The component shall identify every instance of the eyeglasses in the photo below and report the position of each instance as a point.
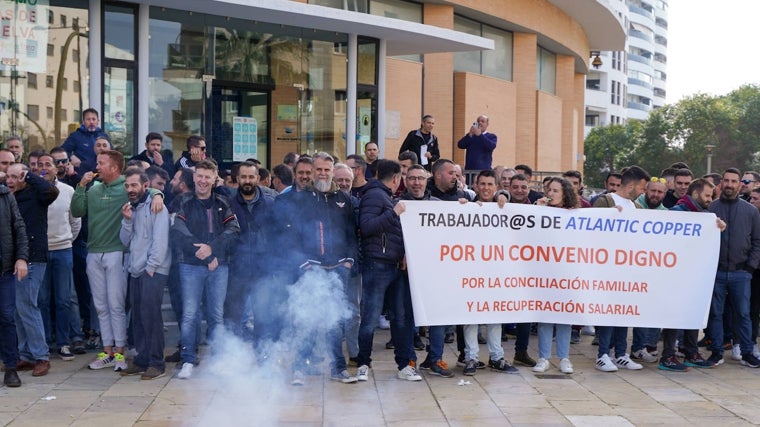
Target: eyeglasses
(61, 161)
(746, 181)
(415, 178)
(660, 180)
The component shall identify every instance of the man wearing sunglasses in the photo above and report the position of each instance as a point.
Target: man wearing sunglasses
(65, 170)
(196, 151)
(750, 180)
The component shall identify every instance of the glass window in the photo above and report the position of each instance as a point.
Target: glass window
(65, 84)
(33, 111)
(64, 114)
(396, 9)
(50, 49)
(494, 63)
(286, 78)
(546, 71)
(48, 81)
(118, 118)
(367, 62)
(49, 112)
(467, 61)
(119, 30)
(31, 79)
(353, 5)
(498, 62)
(64, 21)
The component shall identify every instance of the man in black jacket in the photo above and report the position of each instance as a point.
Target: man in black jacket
(423, 143)
(204, 233)
(153, 155)
(325, 234)
(33, 195)
(739, 257)
(14, 254)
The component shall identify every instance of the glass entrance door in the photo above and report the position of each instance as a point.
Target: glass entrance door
(239, 125)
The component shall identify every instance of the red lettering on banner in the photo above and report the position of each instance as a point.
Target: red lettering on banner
(457, 252)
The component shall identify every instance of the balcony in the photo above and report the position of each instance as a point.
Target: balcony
(640, 35)
(639, 58)
(637, 82)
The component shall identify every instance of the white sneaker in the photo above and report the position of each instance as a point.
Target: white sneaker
(298, 378)
(605, 364)
(644, 355)
(625, 361)
(588, 330)
(565, 366)
(541, 366)
(736, 352)
(409, 373)
(344, 377)
(383, 323)
(186, 371)
(362, 373)
(756, 351)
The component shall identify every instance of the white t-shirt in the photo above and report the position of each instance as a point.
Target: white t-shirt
(621, 201)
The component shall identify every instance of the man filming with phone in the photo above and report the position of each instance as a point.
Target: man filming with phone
(479, 144)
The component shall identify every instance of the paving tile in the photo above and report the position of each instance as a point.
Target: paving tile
(599, 421)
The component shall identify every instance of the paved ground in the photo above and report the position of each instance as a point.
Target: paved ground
(234, 392)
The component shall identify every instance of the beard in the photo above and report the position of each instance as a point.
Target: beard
(322, 185)
(247, 189)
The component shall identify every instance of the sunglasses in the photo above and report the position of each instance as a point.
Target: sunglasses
(660, 180)
(61, 161)
(746, 181)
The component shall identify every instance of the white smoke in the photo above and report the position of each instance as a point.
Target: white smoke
(259, 392)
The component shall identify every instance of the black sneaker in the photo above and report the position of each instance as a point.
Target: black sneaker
(78, 347)
(704, 342)
(470, 367)
(672, 364)
(173, 358)
(448, 338)
(64, 353)
(716, 358)
(389, 345)
(426, 364)
(440, 368)
(462, 363)
(750, 361)
(523, 358)
(697, 361)
(481, 340)
(502, 366)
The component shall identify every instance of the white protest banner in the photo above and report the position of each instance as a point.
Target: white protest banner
(472, 264)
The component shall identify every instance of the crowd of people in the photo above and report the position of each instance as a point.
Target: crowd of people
(89, 242)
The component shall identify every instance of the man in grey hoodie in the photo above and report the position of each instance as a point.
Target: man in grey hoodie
(147, 236)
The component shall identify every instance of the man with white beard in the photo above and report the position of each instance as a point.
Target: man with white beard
(325, 228)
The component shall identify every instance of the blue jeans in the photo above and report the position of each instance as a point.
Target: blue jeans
(610, 336)
(57, 281)
(196, 281)
(643, 337)
(402, 321)
(736, 285)
(377, 277)
(8, 348)
(562, 340)
(31, 334)
(351, 327)
(436, 334)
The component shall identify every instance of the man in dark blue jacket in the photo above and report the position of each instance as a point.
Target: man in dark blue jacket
(80, 145)
(249, 272)
(382, 258)
(479, 144)
(739, 257)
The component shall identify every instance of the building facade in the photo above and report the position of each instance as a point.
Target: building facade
(631, 82)
(260, 79)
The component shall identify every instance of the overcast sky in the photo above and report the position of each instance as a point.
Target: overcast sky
(712, 46)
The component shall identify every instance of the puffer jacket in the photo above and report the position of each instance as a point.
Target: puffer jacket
(382, 239)
(13, 242)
